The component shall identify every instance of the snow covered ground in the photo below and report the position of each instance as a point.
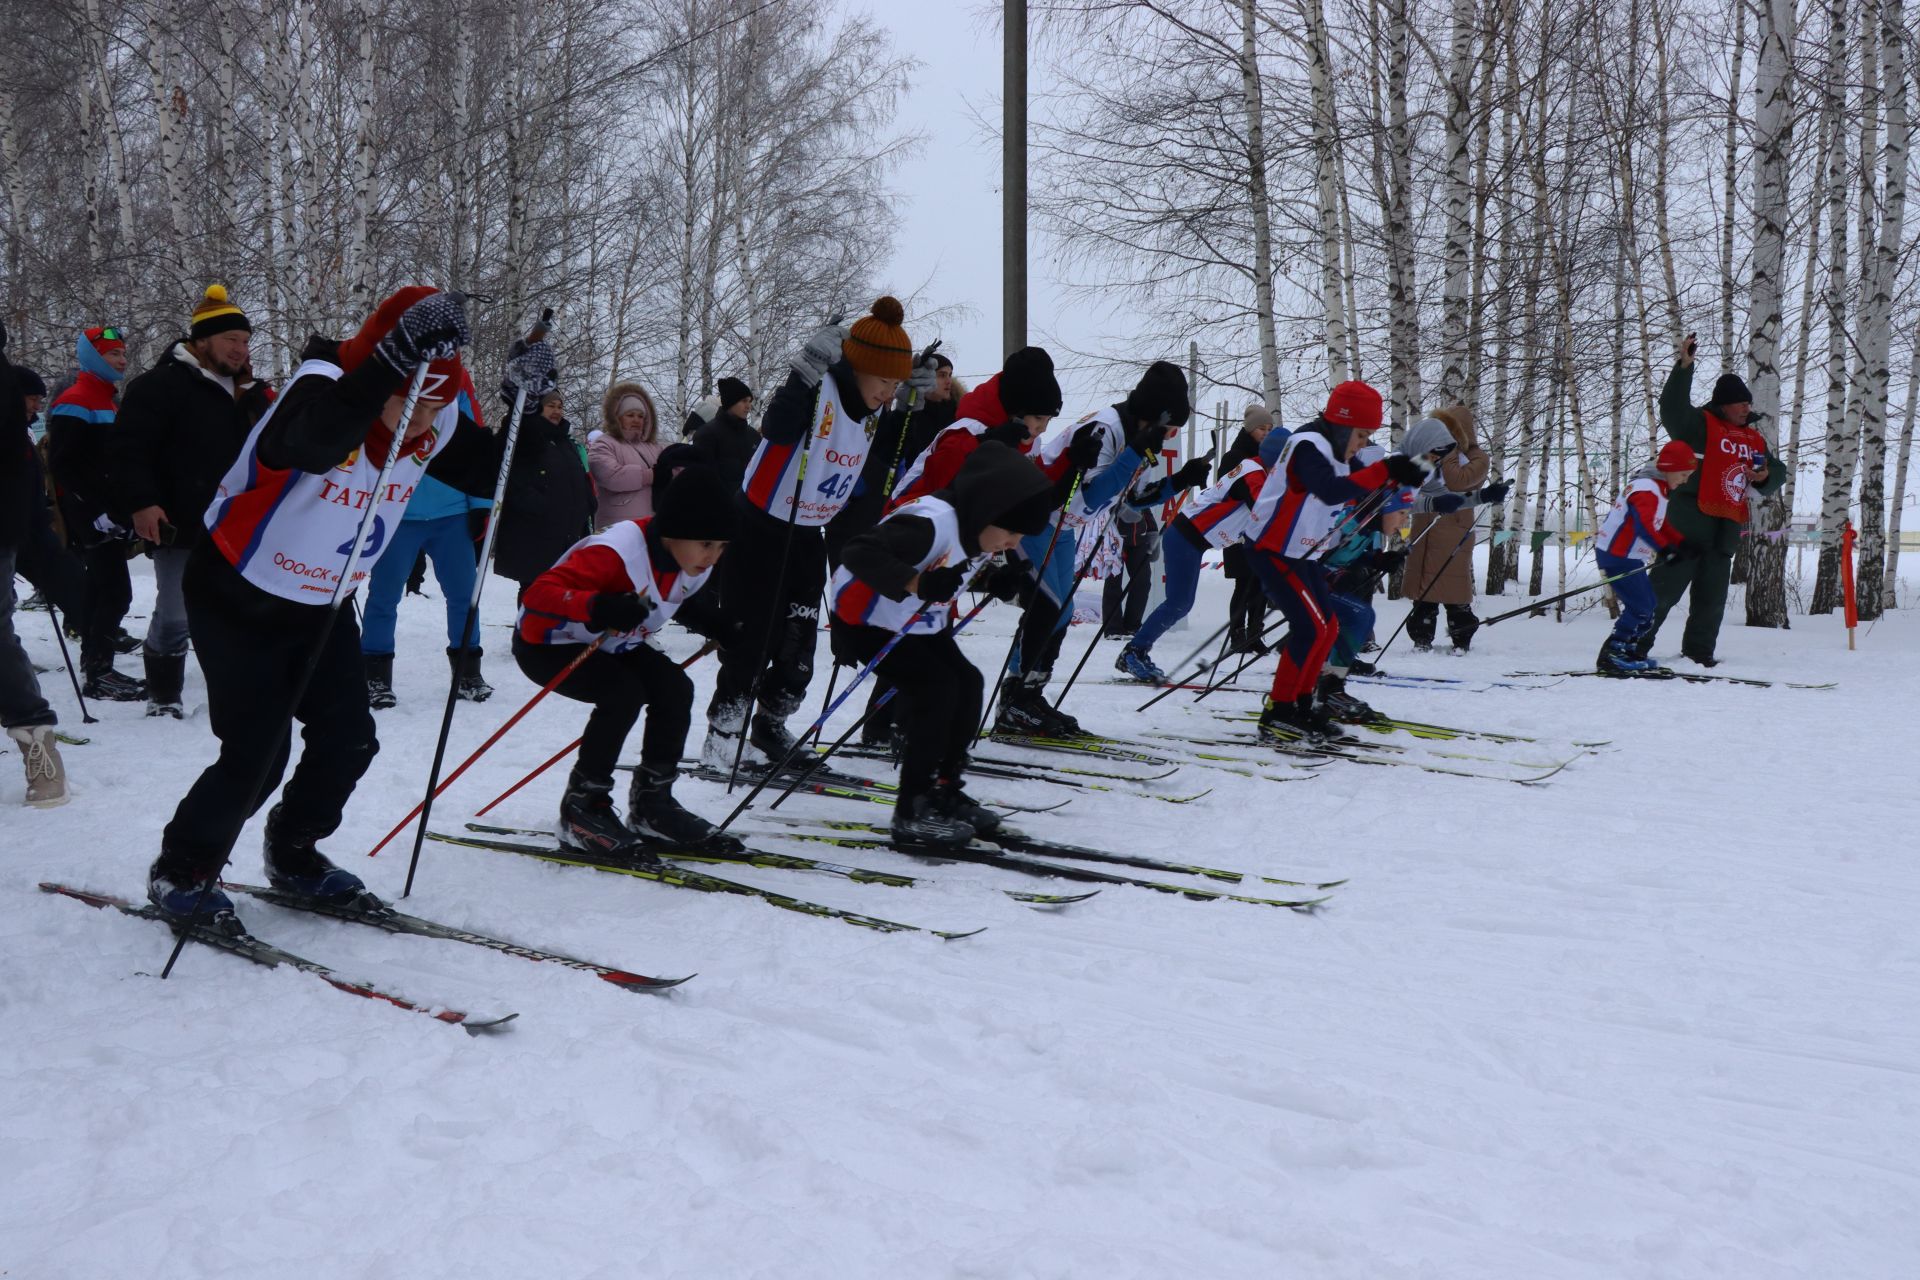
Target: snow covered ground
(1659, 1017)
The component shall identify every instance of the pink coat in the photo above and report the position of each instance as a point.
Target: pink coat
(623, 477)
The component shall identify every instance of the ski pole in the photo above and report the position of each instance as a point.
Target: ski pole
(342, 588)
(1203, 670)
(900, 445)
(1432, 578)
(467, 627)
(1039, 576)
(1246, 662)
(571, 747)
(499, 733)
(66, 656)
(1067, 607)
(1564, 595)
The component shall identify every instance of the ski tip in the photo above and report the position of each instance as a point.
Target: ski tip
(483, 1026)
(640, 982)
(946, 935)
(1043, 900)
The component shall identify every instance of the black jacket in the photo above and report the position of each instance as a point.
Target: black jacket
(728, 443)
(176, 434)
(549, 501)
(19, 472)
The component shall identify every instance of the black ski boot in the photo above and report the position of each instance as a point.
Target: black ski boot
(379, 681)
(166, 674)
(1026, 713)
(1290, 723)
(469, 684)
(589, 823)
(770, 735)
(920, 821)
(295, 866)
(950, 796)
(1361, 667)
(656, 818)
(1704, 659)
(104, 684)
(124, 643)
(1336, 703)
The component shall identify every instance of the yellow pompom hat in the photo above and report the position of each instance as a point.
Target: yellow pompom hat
(215, 314)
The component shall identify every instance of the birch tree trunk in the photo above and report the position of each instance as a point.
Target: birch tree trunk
(460, 163)
(359, 243)
(1663, 85)
(1877, 322)
(1261, 208)
(1803, 349)
(1773, 138)
(1729, 177)
(90, 187)
(1459, 226)
(170, 119)
(1325, 142)
(16, 184)
(1902, 455)
(224, 160)
(1403, 315)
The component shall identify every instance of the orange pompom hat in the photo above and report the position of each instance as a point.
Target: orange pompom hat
(878, 345)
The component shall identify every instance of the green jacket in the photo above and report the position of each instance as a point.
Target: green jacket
(1688, 425)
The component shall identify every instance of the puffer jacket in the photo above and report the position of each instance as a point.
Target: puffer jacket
(1434, 562)
(622, 469)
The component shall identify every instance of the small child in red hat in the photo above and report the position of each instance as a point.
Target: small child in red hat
(1635, 529)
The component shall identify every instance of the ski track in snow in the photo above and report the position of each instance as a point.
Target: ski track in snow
(1655, 1018)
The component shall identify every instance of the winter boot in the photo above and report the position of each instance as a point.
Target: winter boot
(878, 729)
(655, 817)
(1618, 658)
(769, 734)
(950, 797)
(469, 684)
(124, 643)
(921, 820)
(379, 680)
(1026, 713)
(1280, 723)
(104, 684)
(1335, 703)
(589, 823)
(1461, 624)
(46, 774)
(1422, 621)
(183, 896)
(725, 723)
(1139, 665)
(166, 674)
(295, 866)
(1704, 659)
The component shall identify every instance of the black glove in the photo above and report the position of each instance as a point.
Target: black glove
(725, 633)
(1404, 471)
(1193, 473)
(937, 586)
(1496, 492)
(434, 328)
(1665, 556)
(1149, 439)
(1448, 503)
(1084, 451)
(1012, 434)
(617, 611)
(1008, 580)
(1387, 562)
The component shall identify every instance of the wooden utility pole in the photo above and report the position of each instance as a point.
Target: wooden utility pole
(1013, 181)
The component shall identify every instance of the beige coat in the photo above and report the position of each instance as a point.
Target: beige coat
(1465, 470)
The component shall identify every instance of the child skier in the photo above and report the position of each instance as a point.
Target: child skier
(279, 531)
(1014, 406)
(622, 586)
(1301, 514)
(1634, 529)
(901, 577)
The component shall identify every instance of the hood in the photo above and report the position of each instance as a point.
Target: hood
(1338, 436)
(994, 483)
(1425, 436)
(982, 404)
(91, 361)
(613, 397)
(1459, 421)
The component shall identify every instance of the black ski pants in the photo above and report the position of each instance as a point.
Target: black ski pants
(618, 686)
(939, 698)
(252, 648)
(109, 596)
(1123, 598)
(771, 591)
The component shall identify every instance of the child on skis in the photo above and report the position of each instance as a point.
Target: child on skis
(1368, 551)
(900, 578)
(1635, 529)
(621, 587)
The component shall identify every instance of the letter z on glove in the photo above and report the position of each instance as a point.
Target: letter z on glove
(434, 328)
(617, 611)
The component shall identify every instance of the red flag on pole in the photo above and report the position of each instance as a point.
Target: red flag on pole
(1846, 580)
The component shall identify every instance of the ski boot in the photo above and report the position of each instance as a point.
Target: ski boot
(770, 736)
(655, 817)
(295, 866)
(104, 684)
(1292, 723)
(380, 681)
(469, 684)
(166, 674)
(1703, 659)
(589, 824)
(46, 774)
(124, 643)
(951, 798)
(184, 897)
(1620, 659)
(1026, 713)
(1361, 667)
(1139, 665)
(1335, 703)
(920, 821)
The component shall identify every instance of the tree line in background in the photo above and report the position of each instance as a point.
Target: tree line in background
(688, 181)
(1522, 206)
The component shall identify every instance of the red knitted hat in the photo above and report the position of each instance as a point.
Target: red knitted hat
(1353, 404)
(1676, 456)
(445, 378)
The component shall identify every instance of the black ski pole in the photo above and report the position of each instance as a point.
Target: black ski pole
(1081, 576)
(1246, 662)
(1019, 629)
(1564, 595)
(66, 656)
(541, 369)
(340, 592)
(1431, 579)
(900, 444)
(1199, 672)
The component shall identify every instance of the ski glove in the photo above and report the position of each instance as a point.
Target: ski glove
(920, 382)
(1150, 439)
(434, 328)
(1405, 471)
(1005, 581)
(1387, 561)
(811, 362)
(1493, 493)
(937, 586)
(1012, 434)
(533, 370)
(617, 611)
(1084, 452)
(1193, 473)
(1448, 503)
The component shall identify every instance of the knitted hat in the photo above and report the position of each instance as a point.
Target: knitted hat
(106, 338)
(1161, 389)
(1355, 405)
(732, 391)
(697, 504)
(941, 362)
(1730, 390)
(877, 345)
(27, 382)
(1027, 384)
(215, 314)
(444, 377)
(1257, 415)
(1676, 456)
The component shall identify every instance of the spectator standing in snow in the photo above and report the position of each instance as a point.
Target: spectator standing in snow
(1439, 569)
(181, 425)
(549, 500)
(24, 713)
(622, 455)
(43, 557)
(726, 440)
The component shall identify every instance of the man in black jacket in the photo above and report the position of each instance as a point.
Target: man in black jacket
(181, 424)
(726, 439)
